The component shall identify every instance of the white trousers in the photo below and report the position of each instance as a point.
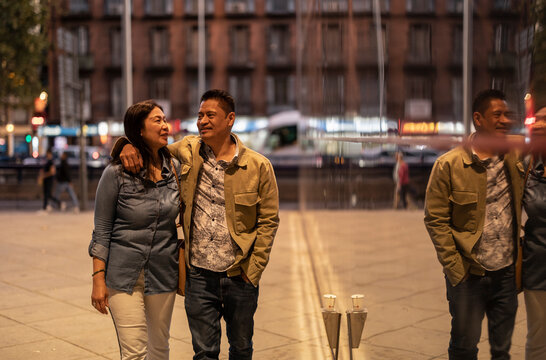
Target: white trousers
(142, 322)
(535, 303)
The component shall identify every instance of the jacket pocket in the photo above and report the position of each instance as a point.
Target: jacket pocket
(245, 211)
(464, 210)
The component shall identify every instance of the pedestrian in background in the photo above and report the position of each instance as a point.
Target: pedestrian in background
(534, 244)
(134, 244)
(64, 184)
(403, 179)
(47, 178)
(472, 212)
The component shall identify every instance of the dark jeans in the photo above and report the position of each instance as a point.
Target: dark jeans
(48, 192)
(494, 295)
(211, 295)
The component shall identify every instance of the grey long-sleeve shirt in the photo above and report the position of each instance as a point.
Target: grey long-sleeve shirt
(135, 229)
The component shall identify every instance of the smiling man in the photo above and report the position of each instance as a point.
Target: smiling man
(230, 218)
(472, 212)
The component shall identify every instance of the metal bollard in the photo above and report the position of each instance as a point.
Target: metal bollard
(332, 323)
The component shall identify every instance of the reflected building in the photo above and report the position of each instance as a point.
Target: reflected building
(319, 57)
(275, 55)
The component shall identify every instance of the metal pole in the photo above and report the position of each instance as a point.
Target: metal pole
(127, 56)
(380, 59)
(467, 65)
(83, 155)
(201, 47)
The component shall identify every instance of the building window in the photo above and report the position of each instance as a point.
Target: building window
(498, 83)
(332, 43)
(86, 105)
(457, 98)
(334, 6)
(367, 5)
(234, 7)
(367, 44)
(369, 94)
(192, 51)
(239, 44)
(278, 44)
(78, 6)
(333, 96)
(158, 7)
(81, 33)
(241, 89)
(280, 92)
(420, 46)
(116, 47)
(160, 88)
(194, 94)
(455, 6)
(502, 39)
(113, 7)
(192, 7)
(419, 87)
(279, 6)
(116, 97)
(457, 53)
(502, 5)
(159, 42)
(420, 6)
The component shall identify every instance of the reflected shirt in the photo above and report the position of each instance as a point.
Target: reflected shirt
(495, 248)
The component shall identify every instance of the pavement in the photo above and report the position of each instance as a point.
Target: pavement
(45, 283)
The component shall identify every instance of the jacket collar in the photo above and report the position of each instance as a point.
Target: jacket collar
(242, 159)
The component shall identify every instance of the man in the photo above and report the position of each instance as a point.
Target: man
(403, 179)
(472, 212)
(230, 220)
(47, 177)
(64, 184)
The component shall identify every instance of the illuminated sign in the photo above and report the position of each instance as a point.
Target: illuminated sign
(419, 128)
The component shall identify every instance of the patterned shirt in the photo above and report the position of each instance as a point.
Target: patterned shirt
(212, 247)
(495, 249)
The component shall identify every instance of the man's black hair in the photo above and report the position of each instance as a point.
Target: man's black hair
(482, 100)
(225, 100)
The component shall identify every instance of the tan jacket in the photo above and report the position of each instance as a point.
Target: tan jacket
(455, 208)
(251, 200)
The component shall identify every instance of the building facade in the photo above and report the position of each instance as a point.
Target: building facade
(273, 55)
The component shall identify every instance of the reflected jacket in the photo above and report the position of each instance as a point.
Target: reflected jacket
(251, 200)
(455, 208)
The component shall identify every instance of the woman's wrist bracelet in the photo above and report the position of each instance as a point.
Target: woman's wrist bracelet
(96, 272)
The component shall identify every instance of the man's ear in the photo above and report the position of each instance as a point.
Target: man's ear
(231, 119)
(477, 118)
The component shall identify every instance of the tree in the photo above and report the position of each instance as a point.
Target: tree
(23, 51)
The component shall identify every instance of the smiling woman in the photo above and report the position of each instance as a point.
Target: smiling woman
(135, 270)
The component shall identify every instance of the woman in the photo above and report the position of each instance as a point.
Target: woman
(534, 245)
(134, 244)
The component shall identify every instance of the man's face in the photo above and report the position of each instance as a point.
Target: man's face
(213, 122)
(495, 121)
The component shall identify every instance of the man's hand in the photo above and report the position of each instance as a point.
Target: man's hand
(131, 159)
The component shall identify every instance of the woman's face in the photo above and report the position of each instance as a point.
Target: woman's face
(155, 131)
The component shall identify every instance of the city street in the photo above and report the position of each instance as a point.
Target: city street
(45, 282)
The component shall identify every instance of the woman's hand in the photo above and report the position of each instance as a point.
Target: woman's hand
(99, 296)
